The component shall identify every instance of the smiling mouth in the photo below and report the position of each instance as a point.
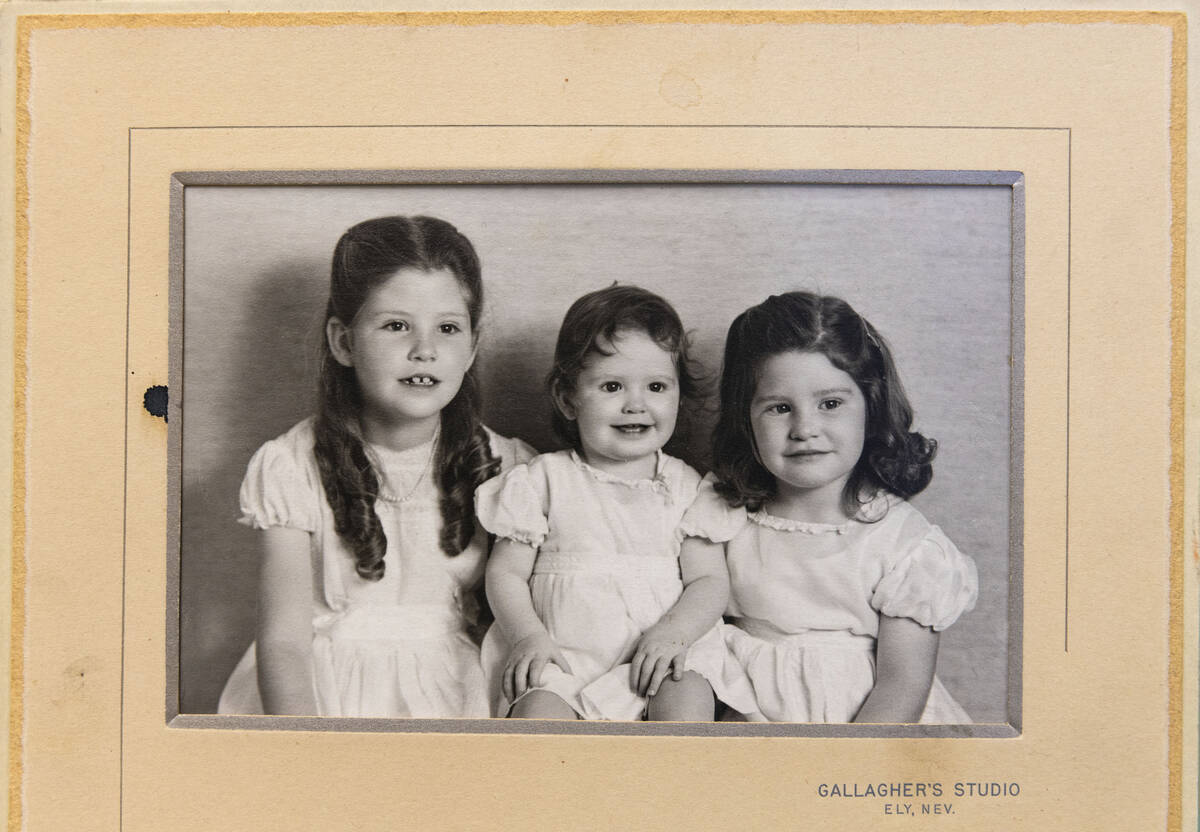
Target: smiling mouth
(420, 381)
(633, 429)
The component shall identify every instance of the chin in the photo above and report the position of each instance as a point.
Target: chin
(413, 413)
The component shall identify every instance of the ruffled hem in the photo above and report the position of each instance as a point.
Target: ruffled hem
(711, 659)
(820, 678)
(610, 697)
(820, 681)
(426, 679)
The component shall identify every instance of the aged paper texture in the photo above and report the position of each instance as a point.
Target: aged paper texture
(1090, 719)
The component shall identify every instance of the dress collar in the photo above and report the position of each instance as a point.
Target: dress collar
(403, 475)
(870, 512)
(416, 455)
(656, 483)
(784, 524)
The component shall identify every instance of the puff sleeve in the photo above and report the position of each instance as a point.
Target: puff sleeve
(710, 517)
(510, 450)
(932, 583)
(279, 489)
(511, 506)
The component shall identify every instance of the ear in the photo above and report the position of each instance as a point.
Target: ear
(563, 403)
(341, 342)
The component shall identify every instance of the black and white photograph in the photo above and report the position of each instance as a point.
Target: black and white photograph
(549, 416)
(583, 451)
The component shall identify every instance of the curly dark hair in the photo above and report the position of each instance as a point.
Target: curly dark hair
(894, 458)
(590, 326)
(366, 256)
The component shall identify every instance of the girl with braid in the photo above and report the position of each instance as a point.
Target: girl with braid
(371, 559)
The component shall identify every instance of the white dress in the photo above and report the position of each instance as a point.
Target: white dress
(397, 647)
(805, 601)
(607, 569)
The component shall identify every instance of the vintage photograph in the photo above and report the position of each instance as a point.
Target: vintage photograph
(682, 448)
(588, 419)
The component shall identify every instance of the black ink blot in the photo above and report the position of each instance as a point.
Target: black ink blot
(155, 401)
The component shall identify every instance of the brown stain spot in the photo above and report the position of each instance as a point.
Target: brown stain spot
(679, 90)
(74, 679)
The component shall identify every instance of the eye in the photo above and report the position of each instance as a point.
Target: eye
(658, 387)
(830, 404)
(779, 408)
(449, 328)
(396, 326)
(610, 386)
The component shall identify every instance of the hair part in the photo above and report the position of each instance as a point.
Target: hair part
(894, 458)
(366, 256)
(591, 325)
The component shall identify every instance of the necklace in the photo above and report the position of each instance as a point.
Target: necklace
(389, 497)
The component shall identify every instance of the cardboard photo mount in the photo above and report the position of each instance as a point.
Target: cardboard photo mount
(1105, 665)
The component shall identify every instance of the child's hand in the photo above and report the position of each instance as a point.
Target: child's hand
(526, 661)
(659, 652)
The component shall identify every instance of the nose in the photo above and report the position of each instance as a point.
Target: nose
(804, 425)
(422, 349)
(634, 402)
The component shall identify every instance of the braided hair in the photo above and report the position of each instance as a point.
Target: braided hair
(367, 255)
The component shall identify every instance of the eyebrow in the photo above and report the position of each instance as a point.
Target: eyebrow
(673, 379)
(771, 396)
(398, 313)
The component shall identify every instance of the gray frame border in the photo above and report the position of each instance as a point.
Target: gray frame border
(181, 180)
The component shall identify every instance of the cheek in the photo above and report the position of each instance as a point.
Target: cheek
(760, 434)
(670, 406)
(856, 435)
(367, 378)
(587, 411)
(373, 354)
(465, 352)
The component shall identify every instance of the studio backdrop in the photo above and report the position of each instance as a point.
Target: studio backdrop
(927, 259)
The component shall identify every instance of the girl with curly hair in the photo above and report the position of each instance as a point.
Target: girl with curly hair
(839, 586)
(597, 614)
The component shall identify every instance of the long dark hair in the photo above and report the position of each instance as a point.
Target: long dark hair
(367, 255)
(590, 326)
(893, 457)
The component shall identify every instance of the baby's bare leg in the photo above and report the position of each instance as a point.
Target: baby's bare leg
(688, 700)
(541, 704)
